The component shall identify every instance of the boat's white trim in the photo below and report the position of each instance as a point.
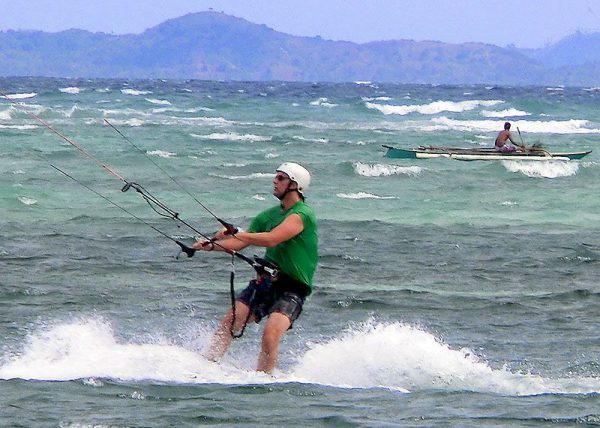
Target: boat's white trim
(470, 157)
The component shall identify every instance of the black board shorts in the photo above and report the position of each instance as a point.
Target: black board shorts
(266, 295)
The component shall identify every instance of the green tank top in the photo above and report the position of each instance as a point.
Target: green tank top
(298, 256)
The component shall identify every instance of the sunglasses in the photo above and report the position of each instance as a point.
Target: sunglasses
(280, 177)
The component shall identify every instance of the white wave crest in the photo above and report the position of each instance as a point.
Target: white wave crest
(232, 136)
(433, 108)
(158, 102)
(402, 357)
(69, 113)
(572, 126)
(22, 96)
(323, 102)
(135, 92)
(235, 164)
(27, 201)
(124, 112)
(372, 355)
(178, 110)
(245, 177)
(376, 98)
(21, 127)
(362, 195)
(134, 122)
(6, 114)
(70, 90)
(379, 170)
(311, 140)
(511, 112)
(161, 154)
(542, 169)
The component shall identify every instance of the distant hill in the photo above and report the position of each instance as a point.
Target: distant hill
(575, 50)
(216, 46)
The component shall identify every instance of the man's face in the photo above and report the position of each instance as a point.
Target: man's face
(281, 182)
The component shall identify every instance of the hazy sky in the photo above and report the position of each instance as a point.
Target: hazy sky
(524, 23)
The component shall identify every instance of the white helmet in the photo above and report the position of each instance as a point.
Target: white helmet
(297, 173)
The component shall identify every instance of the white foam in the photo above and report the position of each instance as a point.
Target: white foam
(572, 126)
(134, 122)
(216, 121)
(70, 90)
(432, 108)
(69, 113)
(311, 140)
(376, 98)
(89, 349)
(21, 127)
(245, 177)
(158, 102)
(235, 164)
(542, 169)
(232, 136)
(197, 109)
(135, 92)
(379, 170)
(511, 112)
(403, 357)
(161, 154)
(22, 96)
(323, 102)
(27, 201)
(371, 355)
(179, 110)
(6, 114)
(125, 112)
(362, 195)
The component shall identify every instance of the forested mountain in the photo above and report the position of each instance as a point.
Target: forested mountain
(216, 46)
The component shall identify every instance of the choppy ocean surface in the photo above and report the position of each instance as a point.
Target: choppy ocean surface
(448, 293)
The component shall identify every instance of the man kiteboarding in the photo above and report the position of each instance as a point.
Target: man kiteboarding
(289, 233)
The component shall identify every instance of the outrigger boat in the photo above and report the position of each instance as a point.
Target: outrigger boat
(471, 154)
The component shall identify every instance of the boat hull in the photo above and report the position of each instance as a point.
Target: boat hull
(479, 154)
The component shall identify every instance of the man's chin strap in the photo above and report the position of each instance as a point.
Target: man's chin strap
(288, 190)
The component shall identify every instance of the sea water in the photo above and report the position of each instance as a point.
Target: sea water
(447, 293)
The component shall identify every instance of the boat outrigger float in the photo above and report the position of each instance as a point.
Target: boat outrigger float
(471, 154)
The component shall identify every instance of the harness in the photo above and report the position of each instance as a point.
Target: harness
(264, 269)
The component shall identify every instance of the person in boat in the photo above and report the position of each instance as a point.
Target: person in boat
(502, 145)
(289, 233)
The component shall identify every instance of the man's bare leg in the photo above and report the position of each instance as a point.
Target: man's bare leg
(222, 337)
(277, 325)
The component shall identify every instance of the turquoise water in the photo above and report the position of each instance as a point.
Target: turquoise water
(448, 293)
